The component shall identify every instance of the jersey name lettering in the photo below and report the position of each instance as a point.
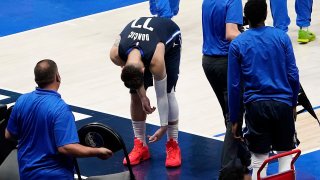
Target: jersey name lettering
(138, 36)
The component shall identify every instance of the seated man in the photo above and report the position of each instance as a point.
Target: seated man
(45, 129)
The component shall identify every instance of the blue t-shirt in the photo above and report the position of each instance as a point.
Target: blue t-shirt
(262, 60)
(215, 15)
(42, 122)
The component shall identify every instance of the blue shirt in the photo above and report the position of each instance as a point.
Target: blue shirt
(42, 122)
(262, 60)
(215, 15)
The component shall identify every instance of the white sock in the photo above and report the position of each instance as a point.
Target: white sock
(172, 132)
(256, 162)
(304, 28)
(139, 129)
(284, 162)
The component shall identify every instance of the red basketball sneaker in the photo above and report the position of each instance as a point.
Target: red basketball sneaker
(173, 154)
(139, 153)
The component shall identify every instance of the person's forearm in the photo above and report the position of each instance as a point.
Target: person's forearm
(162, 100)
(78, 150)
(9, 136)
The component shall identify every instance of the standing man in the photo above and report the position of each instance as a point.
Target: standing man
(281, 18)
(164, 8)
(262, 63)
(151, 47)
(220, 20)
(45, 129)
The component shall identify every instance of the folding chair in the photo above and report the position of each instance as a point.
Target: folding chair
(286, 175)
(305, 103)
(99, 135)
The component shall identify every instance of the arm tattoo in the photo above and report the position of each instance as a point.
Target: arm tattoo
(117, 41)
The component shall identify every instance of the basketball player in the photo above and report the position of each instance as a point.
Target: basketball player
(262, 62)
(148, 49)
(281, 19)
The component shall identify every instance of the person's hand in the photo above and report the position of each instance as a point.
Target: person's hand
(146, 105)
(158, 134)
(104, 153)
(234, 131)
(295, 113)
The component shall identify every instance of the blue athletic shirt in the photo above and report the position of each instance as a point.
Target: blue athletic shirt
(215, 15)
(42, 122)
(263, 59)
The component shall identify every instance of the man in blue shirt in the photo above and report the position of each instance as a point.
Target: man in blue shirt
(281, 19)
(45, 129)
(220, 20)
(164, 8)
(262, 64)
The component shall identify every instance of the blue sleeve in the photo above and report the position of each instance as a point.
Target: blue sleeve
(292, 70)
(234, 12)
(65, 130)
(161, 8)
(12, 126)
(234, 83)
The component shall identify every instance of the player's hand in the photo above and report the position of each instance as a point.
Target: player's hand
(234, 130)
(158, 134)
(104, 153)
(146, 105)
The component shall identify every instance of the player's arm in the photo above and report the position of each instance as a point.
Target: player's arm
(234, 87)
(292, 70)
(114, 55)
(232, 31)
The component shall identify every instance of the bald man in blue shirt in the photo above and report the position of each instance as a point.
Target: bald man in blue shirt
(45, 129)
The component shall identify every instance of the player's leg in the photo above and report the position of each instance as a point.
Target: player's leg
(279, 11)
(258, 134)
(174, 4)
(173, 158)
(160, 8)
(140, 151)
(216, 69)
(283, 133)
(304, 10)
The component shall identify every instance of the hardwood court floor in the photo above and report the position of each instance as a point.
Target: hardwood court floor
(89, 79)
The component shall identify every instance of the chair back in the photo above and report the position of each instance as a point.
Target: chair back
(100, 135)
(286, 175)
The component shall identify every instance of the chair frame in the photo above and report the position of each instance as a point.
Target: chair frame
(119, 139)
(282, 175)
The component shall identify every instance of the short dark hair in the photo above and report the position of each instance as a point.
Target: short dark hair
(45, 72)
(132, 77)
(255, 11)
